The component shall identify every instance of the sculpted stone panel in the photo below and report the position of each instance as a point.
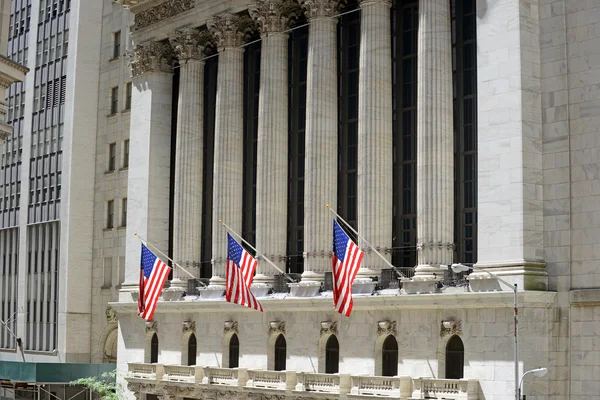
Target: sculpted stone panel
(162, 11)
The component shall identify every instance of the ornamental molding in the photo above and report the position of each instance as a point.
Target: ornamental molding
(276, 327)
(168, 9)
(230, 327)
(151, 57)
(134, 388)
(273, 16)
(175, 392)
(230, 30)
(321, 8)
(189, 44)
(151, 327)
(385, 328)
(189, 327)
(111, 315)
(450, 327)
(329, 328)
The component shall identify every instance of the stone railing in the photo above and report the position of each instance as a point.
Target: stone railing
(183, 373)
(323, 383)
(225, 376)
(457, 389)
(278, 380)
(145, 371)
(385, 386)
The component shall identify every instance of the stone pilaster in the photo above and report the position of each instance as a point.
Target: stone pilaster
(229, 32)
(149, 168)
(272, 17)
(375, 140)
(435, 163)
(187, 213)
(320, 174)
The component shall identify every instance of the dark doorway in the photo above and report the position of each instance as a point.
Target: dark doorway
(455, 358)
(192, 349)
(389, 359)
(154, 349)
(280, 353)
(234, 351)
(332, 355)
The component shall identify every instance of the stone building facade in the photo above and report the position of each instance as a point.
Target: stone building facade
(444, 131)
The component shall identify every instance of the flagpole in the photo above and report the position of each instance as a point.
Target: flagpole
(168, 258)
(256, 251)
(368, 244)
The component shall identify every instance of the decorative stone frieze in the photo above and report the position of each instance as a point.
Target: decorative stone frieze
(274, 15)
(151, 57)
(189, 327)
(276, 327)
(111, 315)
(229, 30)
(329, 328)
(151, 327)
(321, 8)
(385, 328)
(162, 11)
(176, 392)
(189, 43)
(134, 388)
(450, 328)
(230, 327)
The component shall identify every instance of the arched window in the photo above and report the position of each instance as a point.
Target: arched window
(389, 357)
(234, 351)
(455, 358)
(154, 349)
(332, 355)
(192, 348)
(280, 353)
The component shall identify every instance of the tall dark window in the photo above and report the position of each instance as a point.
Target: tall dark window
(117, 44)
(192, 350)
(332, 355)
(348, 66)
(389, 357)
(297, 59)
(210, 101)
(114, 100)
(251, 90)
(455, 358)
(128, 90)
(405, 18)
(464, 68)
(280, 353)
(154, 349)
(234, 351)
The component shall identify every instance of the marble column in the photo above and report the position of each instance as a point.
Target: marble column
(272, 17)
(321, 148)
(375, 140)
(435, 159)
(229, 32)
(150, 156)
(187, 213)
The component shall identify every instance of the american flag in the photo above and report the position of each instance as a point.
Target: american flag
(345, 263)
(240, 273)
(153, 274)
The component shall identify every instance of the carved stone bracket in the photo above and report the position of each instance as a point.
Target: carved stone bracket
(321, 8)
(229, 30)
(151, 57)
(189, 327)
(276, 327)
(151, 327)
(134, 388)
(111, 315)
(175, 392)
(274, 15)
(162, 11)
(385, 328)
(230, 327)
(450, 328)
(329, 328)
(188, 44)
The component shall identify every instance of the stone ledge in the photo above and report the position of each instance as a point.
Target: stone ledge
(584, 297)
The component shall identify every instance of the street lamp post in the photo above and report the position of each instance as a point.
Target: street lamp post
(539, 372)
(463, 268)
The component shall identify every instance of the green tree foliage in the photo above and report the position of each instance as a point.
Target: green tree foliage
(103, 387)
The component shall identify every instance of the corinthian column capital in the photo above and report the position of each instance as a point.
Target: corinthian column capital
(189, 43)
(321, 8)
(229, 30)
(274, 15)
(151, 57)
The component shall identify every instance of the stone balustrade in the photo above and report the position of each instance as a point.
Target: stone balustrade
(145, 371)
(277, 380)
(382, 386)
(225, 376)
(458, 389)
(183, 373)
(323, 383)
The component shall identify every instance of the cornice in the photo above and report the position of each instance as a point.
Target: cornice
(150, 12)
(7, 61)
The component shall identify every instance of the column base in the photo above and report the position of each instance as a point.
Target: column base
(129, 292)
(420, 285)
(428, 272)
(179, 284)
(172, 293)
(527, 276)
(261, 285)
(215, 288)
(311, 276)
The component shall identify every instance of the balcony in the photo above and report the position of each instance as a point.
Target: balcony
(333, 386)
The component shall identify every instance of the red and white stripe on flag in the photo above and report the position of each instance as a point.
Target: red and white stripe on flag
(239, 276)
(153, 275)
(346, 261)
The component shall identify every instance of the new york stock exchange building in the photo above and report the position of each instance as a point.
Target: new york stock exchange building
(444, 131)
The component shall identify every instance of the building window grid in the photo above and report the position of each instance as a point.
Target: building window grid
(9, 244)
